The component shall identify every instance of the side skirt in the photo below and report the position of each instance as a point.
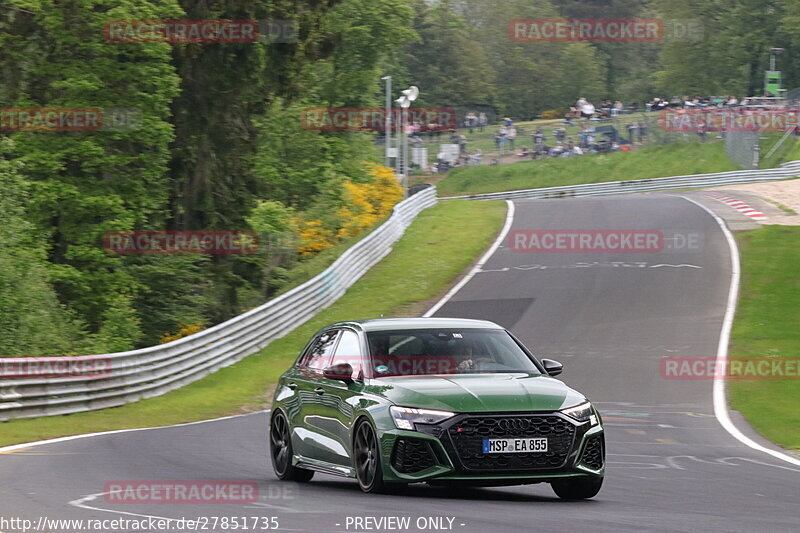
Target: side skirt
(323, 466)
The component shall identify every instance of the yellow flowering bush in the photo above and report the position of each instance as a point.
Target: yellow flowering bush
(367, 203)
(313, 237)
(184, 331)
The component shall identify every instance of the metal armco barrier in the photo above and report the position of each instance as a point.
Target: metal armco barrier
(152, 371)
(787, 170)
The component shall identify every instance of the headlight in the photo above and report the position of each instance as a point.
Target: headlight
(582, 413)
(406, 417)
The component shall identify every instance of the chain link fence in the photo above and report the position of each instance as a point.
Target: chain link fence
(766, 147)
(743, 148)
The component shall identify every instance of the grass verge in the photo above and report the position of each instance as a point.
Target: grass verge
(648, 162)
(424, 262)
(767, 326)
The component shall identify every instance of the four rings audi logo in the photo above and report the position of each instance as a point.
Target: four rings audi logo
(513, 424)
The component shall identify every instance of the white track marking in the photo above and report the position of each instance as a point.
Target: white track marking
(478, 266)
(15, 447)
(719, 390)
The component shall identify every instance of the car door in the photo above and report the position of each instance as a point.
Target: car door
(341, 398)
(314, 438)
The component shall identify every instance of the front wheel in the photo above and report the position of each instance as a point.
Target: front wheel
(577, 489)
(367, 458)
(280, 447)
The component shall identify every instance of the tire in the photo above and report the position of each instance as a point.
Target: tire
(577, 489)
(280, 451)
(367, 458)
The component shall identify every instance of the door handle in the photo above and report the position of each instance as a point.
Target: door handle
(292, 386)
(319, 390)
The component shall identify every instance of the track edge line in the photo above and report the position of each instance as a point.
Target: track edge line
(482, 261)
(719, 391)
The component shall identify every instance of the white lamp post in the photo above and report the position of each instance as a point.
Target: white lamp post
(408, 96)
(388, 124)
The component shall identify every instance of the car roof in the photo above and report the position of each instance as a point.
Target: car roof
(386, 324)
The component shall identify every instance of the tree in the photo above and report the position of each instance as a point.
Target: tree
(447, 63)
(88, 182)
(32, 322)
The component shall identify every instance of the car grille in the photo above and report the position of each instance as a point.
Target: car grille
(593, 453)
(412, 455)
(467, 434)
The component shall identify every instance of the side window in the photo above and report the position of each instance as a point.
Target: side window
(349, 351)
(318, 356)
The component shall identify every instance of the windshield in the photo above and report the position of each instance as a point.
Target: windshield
(446, 351)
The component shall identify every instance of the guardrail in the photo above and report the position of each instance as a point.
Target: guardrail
(695, 181)
(152, 371)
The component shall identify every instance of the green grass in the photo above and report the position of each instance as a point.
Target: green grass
(648, 162)
(433, 251)
(786, 209)
(794, 153)
(788, 151)
(766, 325)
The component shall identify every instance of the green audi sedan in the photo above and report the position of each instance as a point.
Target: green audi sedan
(434, 400)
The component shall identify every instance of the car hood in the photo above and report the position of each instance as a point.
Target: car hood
(478, 392)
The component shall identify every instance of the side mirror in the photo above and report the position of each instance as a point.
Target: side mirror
(340, 372)
(553, 368)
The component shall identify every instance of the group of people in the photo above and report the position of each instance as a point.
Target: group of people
(473, 122)
(587, 111)
(718, 102)
(588, 142)
(694, 102)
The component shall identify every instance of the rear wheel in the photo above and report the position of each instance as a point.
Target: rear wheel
(367, 458)
(280, 447)
(577, 489)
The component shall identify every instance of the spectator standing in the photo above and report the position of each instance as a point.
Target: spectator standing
(587, 111)
(471, 122)
(501, 138)
(642, 130)
(482, 121)
(511, 134)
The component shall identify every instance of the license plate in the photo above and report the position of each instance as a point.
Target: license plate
(514, 445)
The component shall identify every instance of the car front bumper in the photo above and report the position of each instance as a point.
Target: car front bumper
(447, 453)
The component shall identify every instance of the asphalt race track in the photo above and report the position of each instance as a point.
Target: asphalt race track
(609, 318)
